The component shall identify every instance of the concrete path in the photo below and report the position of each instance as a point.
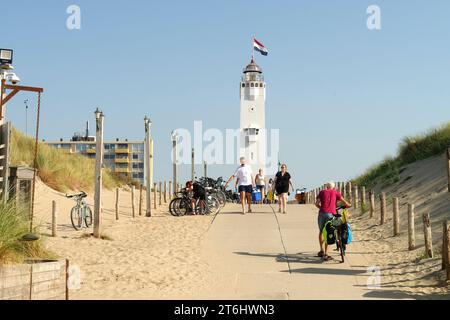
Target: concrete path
(267, 255)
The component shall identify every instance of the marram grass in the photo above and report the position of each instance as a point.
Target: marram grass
(411, 149)
(58, 170)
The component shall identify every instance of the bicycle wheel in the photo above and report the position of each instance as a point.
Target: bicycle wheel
(76, 218)
(213, 204)
(222, 198)
(87, 216)
(173, 207)
(341, 247)
(183, 207)
(202, 207)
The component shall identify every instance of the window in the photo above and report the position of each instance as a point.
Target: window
(109, 156)
(256, 85)
(122, 146)
(243, 85)
(253, 84)
(247, 85)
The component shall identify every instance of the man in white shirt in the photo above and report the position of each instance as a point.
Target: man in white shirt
(245, 182)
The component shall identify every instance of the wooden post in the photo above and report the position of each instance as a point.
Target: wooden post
(396, 216)
(446, 250)
(154, 195)
(363, 197)
(445, 253)
(382, 208)
(193, 165)
(448, 168)
(205, 169)
(140, 200)
(160, 193)
(117, 203)
(54, 219)
(372, 203)
(427, 235)
(147, 165)
(170, 190)
(355, 197)
(165, 191)
(98, 172)
(133, 211)
(411, 230)
(349, 191)
(174, 160)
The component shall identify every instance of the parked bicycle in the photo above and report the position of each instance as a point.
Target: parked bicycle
(181, 205)
(80, 214)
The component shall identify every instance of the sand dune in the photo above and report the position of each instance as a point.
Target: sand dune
(405, 273)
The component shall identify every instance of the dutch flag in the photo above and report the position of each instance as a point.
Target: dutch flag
(258, 46)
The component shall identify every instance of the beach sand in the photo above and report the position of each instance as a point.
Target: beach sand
(147, 258)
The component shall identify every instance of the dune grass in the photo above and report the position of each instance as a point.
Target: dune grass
(58, 170)
(13, 226)
(411, 149)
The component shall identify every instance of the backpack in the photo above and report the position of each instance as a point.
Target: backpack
(328, 233)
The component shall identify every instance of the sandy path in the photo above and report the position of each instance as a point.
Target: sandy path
(156, 257)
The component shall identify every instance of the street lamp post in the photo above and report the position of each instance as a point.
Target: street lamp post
(174, 158)
(147, 165)
(99, 117)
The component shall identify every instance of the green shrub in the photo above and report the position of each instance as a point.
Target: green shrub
(411, 149)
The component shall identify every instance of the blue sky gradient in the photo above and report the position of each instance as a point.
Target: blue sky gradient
(342, 95)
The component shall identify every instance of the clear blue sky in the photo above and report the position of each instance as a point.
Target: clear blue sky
(343, 96)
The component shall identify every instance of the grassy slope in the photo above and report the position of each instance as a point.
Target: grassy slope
(57, 169)
(411, 149)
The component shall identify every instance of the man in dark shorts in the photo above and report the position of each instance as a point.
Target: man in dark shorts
(245, 179)
(326, 203)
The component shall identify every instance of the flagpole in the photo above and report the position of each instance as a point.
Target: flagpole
(253, 48)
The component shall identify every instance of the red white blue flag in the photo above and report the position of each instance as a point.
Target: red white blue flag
(258, 46)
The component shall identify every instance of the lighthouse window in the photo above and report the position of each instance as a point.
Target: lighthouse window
(243, 85)
(253, 84)
(256, 85)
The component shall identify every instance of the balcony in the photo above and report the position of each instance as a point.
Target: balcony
(122, 160)
(123, 150)
(122, 170)
(90, 151)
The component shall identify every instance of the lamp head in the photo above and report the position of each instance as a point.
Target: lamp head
(6, 56)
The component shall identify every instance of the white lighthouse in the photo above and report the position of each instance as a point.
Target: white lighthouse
(253, 120)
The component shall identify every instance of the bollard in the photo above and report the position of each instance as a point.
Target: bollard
(117, 203)
(382, 208)
(160, 193)
(372, 203)
(154, 195)
(427, 235)
(165, 191)
(396, 215)
(411, 231)
(140, 200)
(133, 212)
(54, 219)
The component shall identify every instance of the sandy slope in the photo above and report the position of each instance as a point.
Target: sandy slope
(405, 273)
(154, 257)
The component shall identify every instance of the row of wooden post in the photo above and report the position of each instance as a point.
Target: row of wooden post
(358, 199)
(165, 195)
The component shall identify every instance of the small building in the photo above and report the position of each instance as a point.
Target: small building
(20, 185)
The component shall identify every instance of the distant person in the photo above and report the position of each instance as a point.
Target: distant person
(260, 181)
(282, 183)
(245, 184)
(326, 203)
